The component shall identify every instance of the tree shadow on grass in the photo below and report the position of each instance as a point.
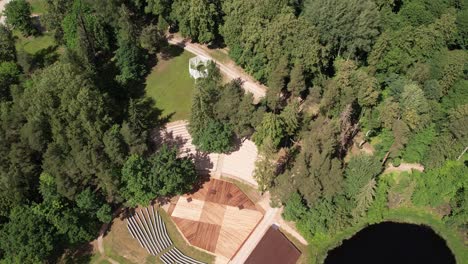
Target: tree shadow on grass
(171, 51)
(81, 254)
(40, 59)
(44, 57)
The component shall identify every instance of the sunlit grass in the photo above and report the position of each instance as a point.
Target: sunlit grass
(171, 86)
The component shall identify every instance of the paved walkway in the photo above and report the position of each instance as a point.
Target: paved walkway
(230, 70)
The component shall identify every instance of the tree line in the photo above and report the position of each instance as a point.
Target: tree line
(76, 129)
(395, 71)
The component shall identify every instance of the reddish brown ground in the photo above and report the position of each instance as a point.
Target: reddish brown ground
(274, 248)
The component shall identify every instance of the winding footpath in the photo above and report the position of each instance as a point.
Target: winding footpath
(100, 247)
(230, 70)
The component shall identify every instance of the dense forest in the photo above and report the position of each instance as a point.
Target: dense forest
(76, 128)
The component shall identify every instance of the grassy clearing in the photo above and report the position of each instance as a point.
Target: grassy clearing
(180, 242)
(120, 246)
(98, 259)
(171, 86)
(39, 7)
(33, 45)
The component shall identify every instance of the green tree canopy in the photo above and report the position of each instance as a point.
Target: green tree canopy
(171, 175)
(272, 127)
(136, 188)
(9, 74)
(152, 39)
(349, 28)
(198, 19)
(27, 237)
(7, 45)
(162, 174)
(18, 15)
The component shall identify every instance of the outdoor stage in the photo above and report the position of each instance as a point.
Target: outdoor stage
(218, 217)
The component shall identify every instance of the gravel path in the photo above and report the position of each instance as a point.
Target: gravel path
(404, 167)
(230, 70)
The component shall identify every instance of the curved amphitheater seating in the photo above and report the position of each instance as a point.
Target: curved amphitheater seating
(174, 256)
(147, 227)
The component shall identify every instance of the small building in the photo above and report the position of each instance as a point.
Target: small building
(274, 248)
(198, 67)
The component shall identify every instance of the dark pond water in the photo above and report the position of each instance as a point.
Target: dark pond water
(392, 243)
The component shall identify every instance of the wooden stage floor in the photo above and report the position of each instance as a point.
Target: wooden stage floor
(218, 217)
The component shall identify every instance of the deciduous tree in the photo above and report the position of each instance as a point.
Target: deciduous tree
(27, 237)
(7, 45)
(18, 15)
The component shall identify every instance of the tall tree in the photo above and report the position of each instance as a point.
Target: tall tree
(129, 56)
(27, 237)
(152, 39)
(161, 174)
(290, 117)
(9, 74)
(265, 166)
(7, 45)
(171, 175)
(349, 28)
(18, 15)
(297, 85)
(198, 19)
(136, 188)
(359, 171)
(56, 10)
(66, 119)
(272, 128)
(317, 172)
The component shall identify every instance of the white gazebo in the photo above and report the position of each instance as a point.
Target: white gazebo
(198, 67)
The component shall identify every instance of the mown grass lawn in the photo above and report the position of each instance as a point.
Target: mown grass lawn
(171, 86)
(38, 6)
(31, 44)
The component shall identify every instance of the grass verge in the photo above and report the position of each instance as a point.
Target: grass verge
(171, 86)
(120, 246)
(305, 253)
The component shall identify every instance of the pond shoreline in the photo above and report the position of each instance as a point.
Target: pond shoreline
(404, 216)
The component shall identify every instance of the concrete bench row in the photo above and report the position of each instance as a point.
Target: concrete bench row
(174, 256)
(149, 230)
